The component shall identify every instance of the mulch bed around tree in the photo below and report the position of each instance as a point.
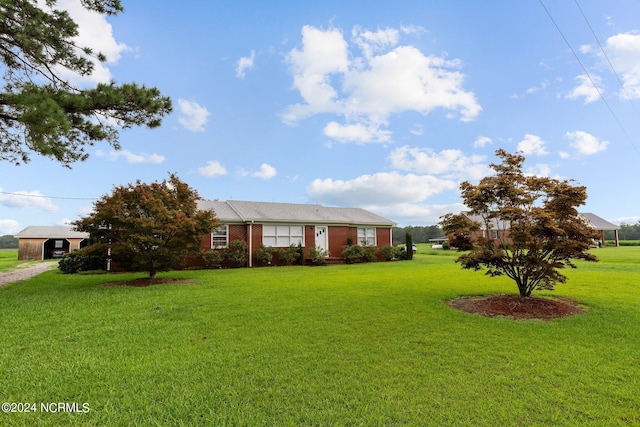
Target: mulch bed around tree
(512, 306)
(145, 281)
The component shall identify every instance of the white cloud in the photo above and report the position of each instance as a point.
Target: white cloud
(540, 169)
(416, 213)
(532, 144)
(64, 221)
(266, 172)
(192, 115)
(366, 90)
(533, 89)
(9, 227)
(245, 63)
(399, 197)
(629, 220)
(132, 157)
(371, 42)
(359, 133)
(585, 143)
(96, 32)
(27, 200)
(378, 189)
(481, 141)
(84, 210)
(585, 48)
(449, 163)
(624, 52)
(417, 130)
(586, 88)
(213, 168)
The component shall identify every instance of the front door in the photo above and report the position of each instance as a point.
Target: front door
(322, 237)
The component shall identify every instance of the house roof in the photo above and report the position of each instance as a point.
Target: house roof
(598, 223)
(52, 232)
(594, 220)
(245, 212)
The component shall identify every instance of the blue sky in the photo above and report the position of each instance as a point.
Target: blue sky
(382, 105)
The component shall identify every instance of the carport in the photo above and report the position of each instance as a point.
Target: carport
(43, 242)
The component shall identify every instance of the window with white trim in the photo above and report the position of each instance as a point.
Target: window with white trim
(282, 235)
(220, 237)
(368, 235)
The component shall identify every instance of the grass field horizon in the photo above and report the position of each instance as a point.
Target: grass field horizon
(370, 344)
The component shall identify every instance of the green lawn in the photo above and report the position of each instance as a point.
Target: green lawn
(366, 345)
(9, 259)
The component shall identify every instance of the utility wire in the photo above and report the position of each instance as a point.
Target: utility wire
(47, 197)
(624, 89)
(590, 78)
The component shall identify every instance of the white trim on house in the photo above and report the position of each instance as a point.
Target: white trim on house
(217, 237)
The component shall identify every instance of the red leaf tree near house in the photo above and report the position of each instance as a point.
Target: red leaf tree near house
(536, 227)
(151, 226)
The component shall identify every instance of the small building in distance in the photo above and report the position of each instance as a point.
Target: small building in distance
(44, 242)
(500, 229)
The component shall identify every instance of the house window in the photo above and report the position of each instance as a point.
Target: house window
(494, 234)
(59, 244)
(282, 235)
(367, 235)
(220, 237)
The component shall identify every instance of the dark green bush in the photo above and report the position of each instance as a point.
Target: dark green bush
(236, 253)
(409, 246)
(87, 259)
(318, 256)
(352, 254)
(264, 255)
(287, 256)
(212, 258)
(359, 253)
(392, 252)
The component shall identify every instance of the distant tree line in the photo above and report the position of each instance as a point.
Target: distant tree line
(419, 234)
(8, 242)
(626, 232)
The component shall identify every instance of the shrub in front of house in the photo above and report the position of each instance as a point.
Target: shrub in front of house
(392, 252)
(359, 253)
(212, 258)
(352, 253)
(369, 253)
(236, 253)
(264, 255)
(287, 256)
(87, 259)
(318, 256)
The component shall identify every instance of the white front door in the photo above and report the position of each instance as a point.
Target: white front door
(322, 237)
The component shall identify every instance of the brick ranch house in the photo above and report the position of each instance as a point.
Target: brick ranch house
(280, 225)
(501, 230)
(41, 242)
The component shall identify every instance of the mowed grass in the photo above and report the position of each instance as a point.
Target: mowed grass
(9, 259)
(370, 345)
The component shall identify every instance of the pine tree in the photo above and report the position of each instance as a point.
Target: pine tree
(41, 111)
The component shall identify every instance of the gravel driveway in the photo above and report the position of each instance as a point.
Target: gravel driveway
(23, 273)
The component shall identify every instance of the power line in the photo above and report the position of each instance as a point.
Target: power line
(590, 78)
(604, 53)
(47, 197)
